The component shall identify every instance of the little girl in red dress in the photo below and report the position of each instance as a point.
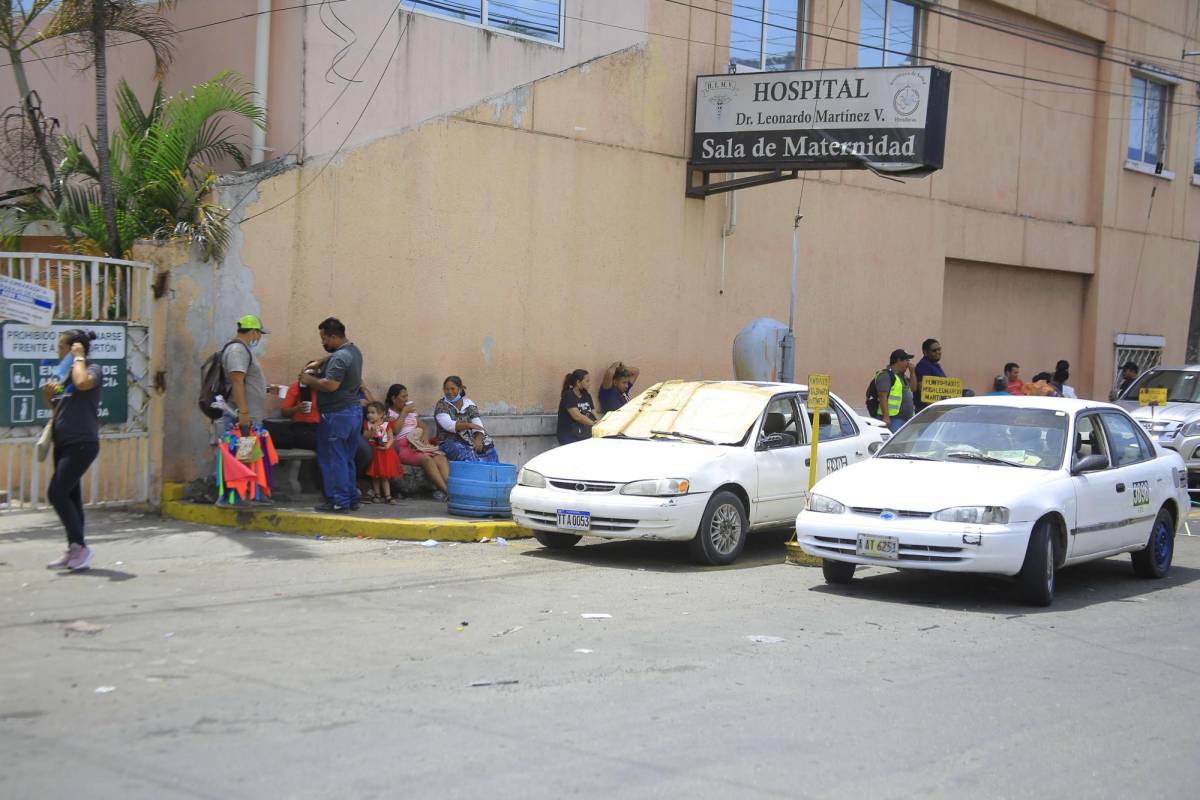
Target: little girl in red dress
(385, 463)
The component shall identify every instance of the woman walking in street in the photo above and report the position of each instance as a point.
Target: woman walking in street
(75, 407)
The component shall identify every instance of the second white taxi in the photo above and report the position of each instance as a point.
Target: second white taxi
(1003, 485)
(703, 462)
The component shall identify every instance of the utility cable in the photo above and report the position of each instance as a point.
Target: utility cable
(382, 73)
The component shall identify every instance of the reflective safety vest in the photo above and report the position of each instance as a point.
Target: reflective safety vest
(895, 395)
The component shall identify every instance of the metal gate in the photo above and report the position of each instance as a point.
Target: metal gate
(89, 291)
(1142, 349)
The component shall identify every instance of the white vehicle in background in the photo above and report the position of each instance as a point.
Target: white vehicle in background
(1176, 425)
(1016, 486)
(704, 462)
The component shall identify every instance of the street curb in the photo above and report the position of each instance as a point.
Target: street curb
(797, 556)
(315, 524)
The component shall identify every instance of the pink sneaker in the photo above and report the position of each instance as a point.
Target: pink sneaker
(62, 562)
(82, 558)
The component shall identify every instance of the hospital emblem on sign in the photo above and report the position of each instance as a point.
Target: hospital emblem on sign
(906, 100)
(720, 92)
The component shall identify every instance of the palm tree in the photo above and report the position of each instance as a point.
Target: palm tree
(89, 22)
(161, 168)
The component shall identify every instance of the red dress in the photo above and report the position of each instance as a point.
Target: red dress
(385, 463)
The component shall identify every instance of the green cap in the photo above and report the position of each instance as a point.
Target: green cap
(251, 323)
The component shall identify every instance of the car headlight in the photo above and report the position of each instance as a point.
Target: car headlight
(824, 505)
(661, 487)
(534, 480)
(974, 515)
(1191, 429)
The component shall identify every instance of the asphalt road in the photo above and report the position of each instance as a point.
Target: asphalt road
(243, 665)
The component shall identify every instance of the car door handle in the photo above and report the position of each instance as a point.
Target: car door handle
(1120, 488)
(808, 462)
(858, 453)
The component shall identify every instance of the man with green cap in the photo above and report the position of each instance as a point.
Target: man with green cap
(247, 387)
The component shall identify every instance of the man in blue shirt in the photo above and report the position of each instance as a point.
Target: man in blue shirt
(614, 388)
(930, 364)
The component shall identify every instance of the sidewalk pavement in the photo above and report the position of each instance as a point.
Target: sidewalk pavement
(415, 519)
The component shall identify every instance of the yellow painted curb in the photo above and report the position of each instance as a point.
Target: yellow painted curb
(314, 524)
(797, 556)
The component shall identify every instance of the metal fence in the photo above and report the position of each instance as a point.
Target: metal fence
(90, 290)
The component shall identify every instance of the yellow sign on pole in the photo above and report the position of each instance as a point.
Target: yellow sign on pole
(1153, 397)
(934, 388)
(818, 401)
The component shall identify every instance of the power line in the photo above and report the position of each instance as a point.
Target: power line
(382, 73)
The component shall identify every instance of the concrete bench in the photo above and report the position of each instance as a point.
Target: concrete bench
(288, 475)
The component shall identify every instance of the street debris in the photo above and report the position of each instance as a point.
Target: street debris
(931, 627)
(429, 543)
(758, 639)
(168, 635)
(513, 629)
(81, 626)
(501, 540)
(596, 616)
(584, 650)
(105, 689)
(484, 539)
(494, 683)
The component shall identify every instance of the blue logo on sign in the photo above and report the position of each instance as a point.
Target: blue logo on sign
(887, 515)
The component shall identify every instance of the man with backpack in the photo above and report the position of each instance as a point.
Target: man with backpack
(247, 386)
(890, 395)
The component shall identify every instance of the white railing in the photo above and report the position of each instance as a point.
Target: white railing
(90, 290)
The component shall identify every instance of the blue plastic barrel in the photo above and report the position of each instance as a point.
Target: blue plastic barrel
(480, 490)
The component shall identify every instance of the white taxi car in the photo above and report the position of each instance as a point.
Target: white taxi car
(1004, 485)
(703, 462)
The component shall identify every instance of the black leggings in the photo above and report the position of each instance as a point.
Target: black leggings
(70, 462)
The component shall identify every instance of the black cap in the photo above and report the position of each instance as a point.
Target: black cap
(900, 355)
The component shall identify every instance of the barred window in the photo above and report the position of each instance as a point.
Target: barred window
(767, 34)
(536, 19)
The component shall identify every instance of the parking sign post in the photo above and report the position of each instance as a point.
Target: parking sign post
(818, 401)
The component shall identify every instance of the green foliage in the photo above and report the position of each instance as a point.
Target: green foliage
(160, 160)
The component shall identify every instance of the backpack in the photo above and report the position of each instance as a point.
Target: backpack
(213, 381)
(873, 392)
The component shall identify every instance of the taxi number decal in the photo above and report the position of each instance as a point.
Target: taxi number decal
(835, 463)
(1141, 493)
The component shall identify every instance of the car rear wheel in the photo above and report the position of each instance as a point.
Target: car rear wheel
(1035, 581)
(1155, 560)
(837, 571)
(556, 541)
(722, 533)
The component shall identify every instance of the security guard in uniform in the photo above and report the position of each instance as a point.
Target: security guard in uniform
(894, 389)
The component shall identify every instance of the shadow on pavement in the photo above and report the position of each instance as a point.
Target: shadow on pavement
(1110, 580)
(268, 545)
(764, 548)
(111, 574)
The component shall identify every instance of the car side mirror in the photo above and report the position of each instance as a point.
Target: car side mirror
(771, 441)
(1093, 463)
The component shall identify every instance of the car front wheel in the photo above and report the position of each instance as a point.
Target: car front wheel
(722, 533)
(1155, 560)
(556, 541)
(837, 571)
(1035, 581)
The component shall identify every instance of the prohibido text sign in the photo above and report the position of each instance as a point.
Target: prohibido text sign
(890, 119)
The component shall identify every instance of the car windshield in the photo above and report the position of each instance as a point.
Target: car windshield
(1182, 386)
(1019, 437)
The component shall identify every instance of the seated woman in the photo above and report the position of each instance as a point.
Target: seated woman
(411, 445)
(462, 434)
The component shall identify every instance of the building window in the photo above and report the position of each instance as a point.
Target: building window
(536, 19)
(887, 33)
(1196, 151)
(767, 34)
(1149, 106)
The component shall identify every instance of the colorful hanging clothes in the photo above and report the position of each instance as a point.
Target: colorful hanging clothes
(239, 481)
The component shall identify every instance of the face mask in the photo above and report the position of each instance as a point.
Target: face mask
(454, 399)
